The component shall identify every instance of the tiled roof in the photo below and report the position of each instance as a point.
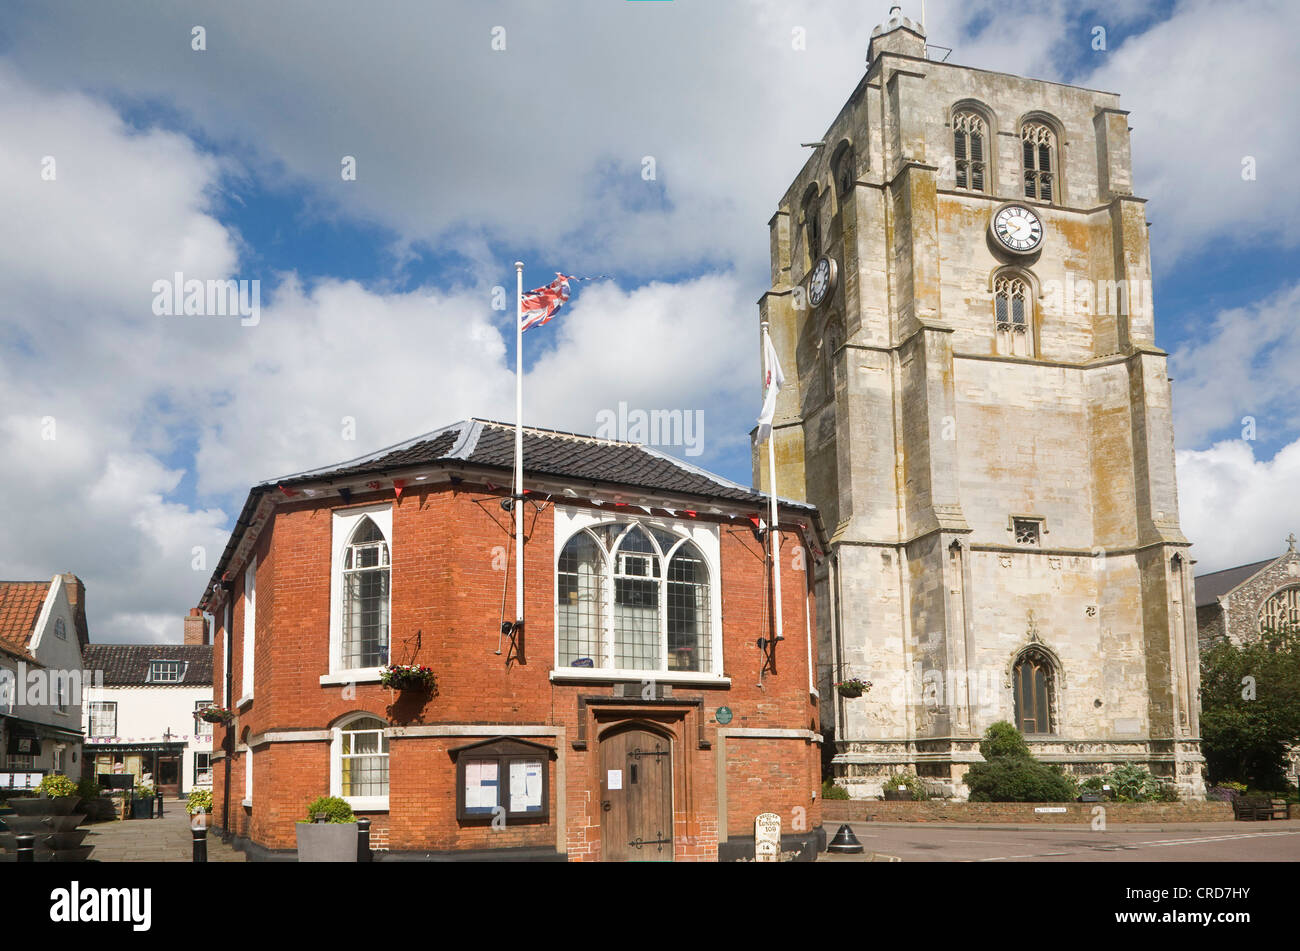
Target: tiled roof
(20, 605)
(1210, 586)
(547, 453)
(127, 665)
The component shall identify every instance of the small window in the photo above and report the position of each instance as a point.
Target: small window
(1027, 531)
(202, 769)
(60, 629)
(1013, 316)
(165, 671)
(103, 719)
(506, 778)
(363, 759)
(201, 727)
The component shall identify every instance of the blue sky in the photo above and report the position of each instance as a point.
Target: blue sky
(376, 294)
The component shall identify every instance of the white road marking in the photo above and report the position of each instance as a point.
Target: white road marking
(1155, 843)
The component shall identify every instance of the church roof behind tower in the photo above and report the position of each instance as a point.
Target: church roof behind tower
(1209, 587)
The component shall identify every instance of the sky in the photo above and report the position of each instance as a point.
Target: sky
(485, 133)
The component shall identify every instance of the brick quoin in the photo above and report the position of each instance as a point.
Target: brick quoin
(447, 593)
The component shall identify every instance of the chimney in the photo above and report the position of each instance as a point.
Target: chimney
(77, 599)
(196, 628)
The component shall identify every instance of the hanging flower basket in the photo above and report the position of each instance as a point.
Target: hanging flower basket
(853, 687)
(408, 677)
(215, 714)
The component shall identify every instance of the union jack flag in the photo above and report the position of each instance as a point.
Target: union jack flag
(540, 304)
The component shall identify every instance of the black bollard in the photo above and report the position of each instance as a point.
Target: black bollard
(201, 844)
(363, 840)
(26, 848)
(845, 842)
(159, 796)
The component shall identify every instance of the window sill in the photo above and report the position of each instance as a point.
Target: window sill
(367, 803)
(246, 803)
(360, 675)
(587, 674)
(243, 702)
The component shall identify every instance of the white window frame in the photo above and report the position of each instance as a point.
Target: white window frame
(358, 803)
(248, 776)
(250, 632)
(202, 728)
(180, 671)
(90, 718)
(202, 776)
(226, 679)
(345, 523)
(704, 535)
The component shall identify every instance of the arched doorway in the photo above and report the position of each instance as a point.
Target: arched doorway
(636, 795)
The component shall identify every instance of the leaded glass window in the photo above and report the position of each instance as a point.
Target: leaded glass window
(363, 756)
(366, 572)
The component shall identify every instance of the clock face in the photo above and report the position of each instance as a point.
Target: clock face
(822, 281)
(1018, 229)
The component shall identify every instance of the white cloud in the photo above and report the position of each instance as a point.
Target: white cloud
(1207, 88)
(1241, 365)
(1234, 508)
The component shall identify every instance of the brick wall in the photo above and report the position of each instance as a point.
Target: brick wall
(447, 590)
(1076, 812)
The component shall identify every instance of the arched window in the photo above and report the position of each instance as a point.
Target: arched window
(1040, 161)
(1032, 682)
(634, 598)
(1013, 315)
(360, 773)
(365, 597)
(1282, 610)
(969, 138)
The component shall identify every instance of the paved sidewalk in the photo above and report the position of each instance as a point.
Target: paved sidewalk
(154, 840)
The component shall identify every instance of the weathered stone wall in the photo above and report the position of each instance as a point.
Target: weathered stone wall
(1243, 605)
(920, 442)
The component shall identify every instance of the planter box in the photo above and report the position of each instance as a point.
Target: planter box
(142, 808)
(898, 795)
(327, 842)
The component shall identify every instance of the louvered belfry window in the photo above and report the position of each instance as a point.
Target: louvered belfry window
(968, 149)
(1039, 147)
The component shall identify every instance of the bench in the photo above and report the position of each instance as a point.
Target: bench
(1258, 808)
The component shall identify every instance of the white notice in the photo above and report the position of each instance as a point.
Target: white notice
(614, 779)
(525, 786)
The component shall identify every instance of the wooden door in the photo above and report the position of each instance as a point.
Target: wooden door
(168, 779)
(636, 794)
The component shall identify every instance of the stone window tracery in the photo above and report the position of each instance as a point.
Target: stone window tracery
(1038, 145)
(969, 135)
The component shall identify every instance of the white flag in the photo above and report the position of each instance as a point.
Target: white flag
(771, 386)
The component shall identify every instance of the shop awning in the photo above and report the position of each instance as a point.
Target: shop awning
(24, 738)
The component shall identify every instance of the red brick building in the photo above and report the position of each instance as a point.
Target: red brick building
(635, 715)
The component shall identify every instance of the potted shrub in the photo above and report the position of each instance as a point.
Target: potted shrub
(200, 801)
(142, 802)
(332, 840)
(411, 677)
(905, 787)
(853, 687)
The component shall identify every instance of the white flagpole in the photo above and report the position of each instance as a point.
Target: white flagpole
(519, 441)
(773, 523)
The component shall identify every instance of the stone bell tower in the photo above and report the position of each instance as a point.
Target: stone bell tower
(974, 399)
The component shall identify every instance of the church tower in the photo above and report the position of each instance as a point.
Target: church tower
(974, 400)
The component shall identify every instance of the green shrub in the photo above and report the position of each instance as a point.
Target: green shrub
(337, 809)
(143, 792)
(200, 801)
(911, 782)
(89, 789)
(831, 791)
(58, 787)
(1093, 783)
(1016, 779)
(1003, 739)
(1011, 774)
(1133, 783)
